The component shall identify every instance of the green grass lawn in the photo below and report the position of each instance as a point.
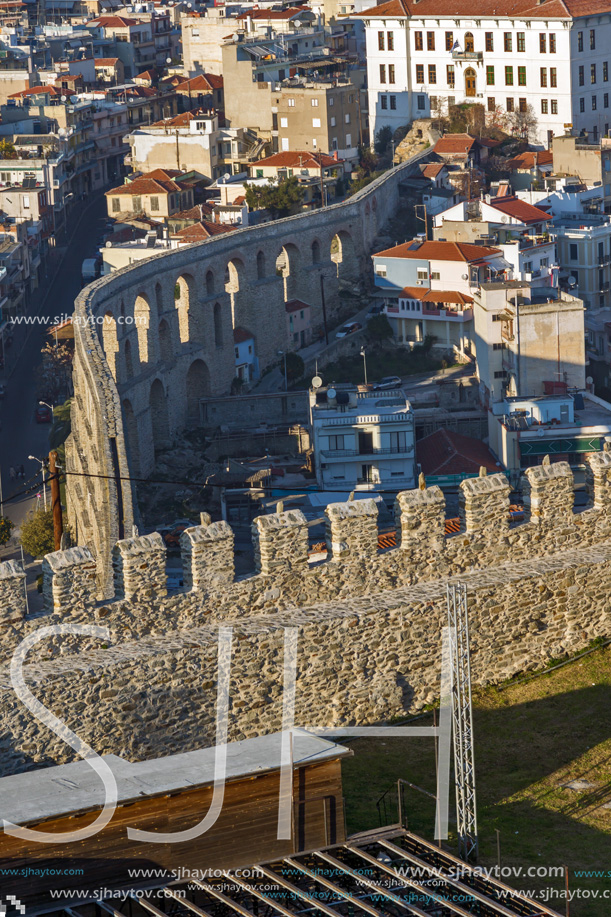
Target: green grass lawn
(530, 740)
(387, 361)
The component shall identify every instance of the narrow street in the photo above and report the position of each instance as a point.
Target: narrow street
(20, 435)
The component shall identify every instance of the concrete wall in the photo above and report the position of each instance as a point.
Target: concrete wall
(369, 621)
(239, 413)
(153, 339)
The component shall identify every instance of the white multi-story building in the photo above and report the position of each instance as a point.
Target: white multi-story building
(553, 57)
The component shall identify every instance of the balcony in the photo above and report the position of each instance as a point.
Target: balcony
(375, 450)
(467, 55)
(456, 315)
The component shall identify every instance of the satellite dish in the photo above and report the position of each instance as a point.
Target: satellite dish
(108, 244)
(572, 281)
(540, 432)
(465, 276)
(226, 176)
(297, 24)
(316, 382)
(589, 380)
(331, 393)
(504, 219)
(64, 98)
(235, 36)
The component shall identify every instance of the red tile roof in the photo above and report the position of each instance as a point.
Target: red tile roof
(105, 61)
(183, 119)
(298, 159)
(295, 305)
(454, 143)
(519, 210)
(445, 452)
(524, 9)
(109, 21)
(34, 91)
(204, 230)
(240, 335)
(205, 82)
(146, 75)
(432, 169)
(145, 186)
(527, 160)
(453, 296)
(439, 251)
(197, 213)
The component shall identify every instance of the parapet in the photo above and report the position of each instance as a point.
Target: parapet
(12, 592)
(548, 494)
(207, 556)
(351, 530)
(69, 579)
(483, 504)
(139, 567)
(598, 480)
(420, 517)
(281, 542)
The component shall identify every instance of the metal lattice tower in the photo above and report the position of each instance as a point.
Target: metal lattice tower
(462, 721)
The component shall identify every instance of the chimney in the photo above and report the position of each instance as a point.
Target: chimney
(335, 155)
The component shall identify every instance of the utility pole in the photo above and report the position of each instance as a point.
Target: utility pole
(324, 307)
(322, 184)
(56, 504)
(177, 152)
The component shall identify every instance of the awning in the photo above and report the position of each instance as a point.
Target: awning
(560, 446)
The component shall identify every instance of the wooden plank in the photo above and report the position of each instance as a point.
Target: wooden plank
(368, 908)
(297, 891)
(343, 867)
(253, 890)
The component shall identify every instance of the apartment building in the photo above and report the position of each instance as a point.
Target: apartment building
(320, 116)
(553, 59)
(428, 288)
(132, 40)
(157, 195)
(584, 253)
(203, 34)
(362, 440)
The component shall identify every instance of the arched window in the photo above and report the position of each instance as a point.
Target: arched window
(218, 325)
(209, 283)
(469, 42)
(260, 265)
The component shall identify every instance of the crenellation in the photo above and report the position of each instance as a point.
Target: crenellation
(12, 592)
(420, 519)
(548, 495)
(598, 480)
(351, 530)
(139, 566)
(207, 552)
(69, 580)
(484, 505)
(281, 542)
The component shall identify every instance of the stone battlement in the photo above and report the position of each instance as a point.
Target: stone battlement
(285, 569)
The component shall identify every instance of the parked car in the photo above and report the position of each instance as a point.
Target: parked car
(350, 328)
(388, 382)
(375, 310)
(43, 414)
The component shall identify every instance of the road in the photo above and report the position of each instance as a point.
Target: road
(20, 435)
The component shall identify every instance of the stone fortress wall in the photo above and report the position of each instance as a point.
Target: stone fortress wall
(369, 620)
(153, 339)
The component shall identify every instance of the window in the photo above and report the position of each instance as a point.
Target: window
(449, 41)
(391, 73)
(507, 40)
(580, 76)
(489, 76)
(314, 142)
(554, 105)
(290, 103)
(154, 203)
(348, 141)
(521, 36)
(580, 41)
(592, 39)
(605, 71)
(420, 73)
(383, 103)
(510, 105)
(347, 116)
(528, 266)
(422, 273)
(116, 202)
(381, 42)
(509, 76)
(450, 75)
(315, 122)
(469, 43)
(397, 441)
(390, 41)
(543, 77)
(573, 252)
(542, 43)
(521, 76)
(593, 103)
(552, 43)
(489, 41)
(523, 105)
(543, 106)
(491, 103)
(136, 203)
(314, 103)
(418, 41)
(582, 105)
(393, 103)
(284, 122)
(336, 442)
(333, 121)
(553, 76)
(592, 73)
(430, 41)
(606, 102)
(421, 103)
(383, 73)
(432, 73)
(331, 101)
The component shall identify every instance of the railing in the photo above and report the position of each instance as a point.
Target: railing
(375, 450)
(467, 55)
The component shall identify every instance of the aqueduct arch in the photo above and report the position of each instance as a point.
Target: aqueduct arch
(197, 387)
(160, 421)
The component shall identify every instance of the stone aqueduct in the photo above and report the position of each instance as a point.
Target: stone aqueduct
(153, 339)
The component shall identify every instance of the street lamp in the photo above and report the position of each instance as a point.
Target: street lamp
(50, 406)
(43, 466)
(281, 353)
(364, 363)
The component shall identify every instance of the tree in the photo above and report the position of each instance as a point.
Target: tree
(368, 161)
(280, 199)
(382, 141)
(37, 533)
(54, 374)
(7, 150)
(524, 124)
(6, 527)
(379, 328)
(295, 367)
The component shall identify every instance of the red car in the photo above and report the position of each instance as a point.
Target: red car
(43, 414)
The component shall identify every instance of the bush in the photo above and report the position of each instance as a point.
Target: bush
(382, 141)
(379, 328)
(6, 527)
(295, 367)
(37, 533)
